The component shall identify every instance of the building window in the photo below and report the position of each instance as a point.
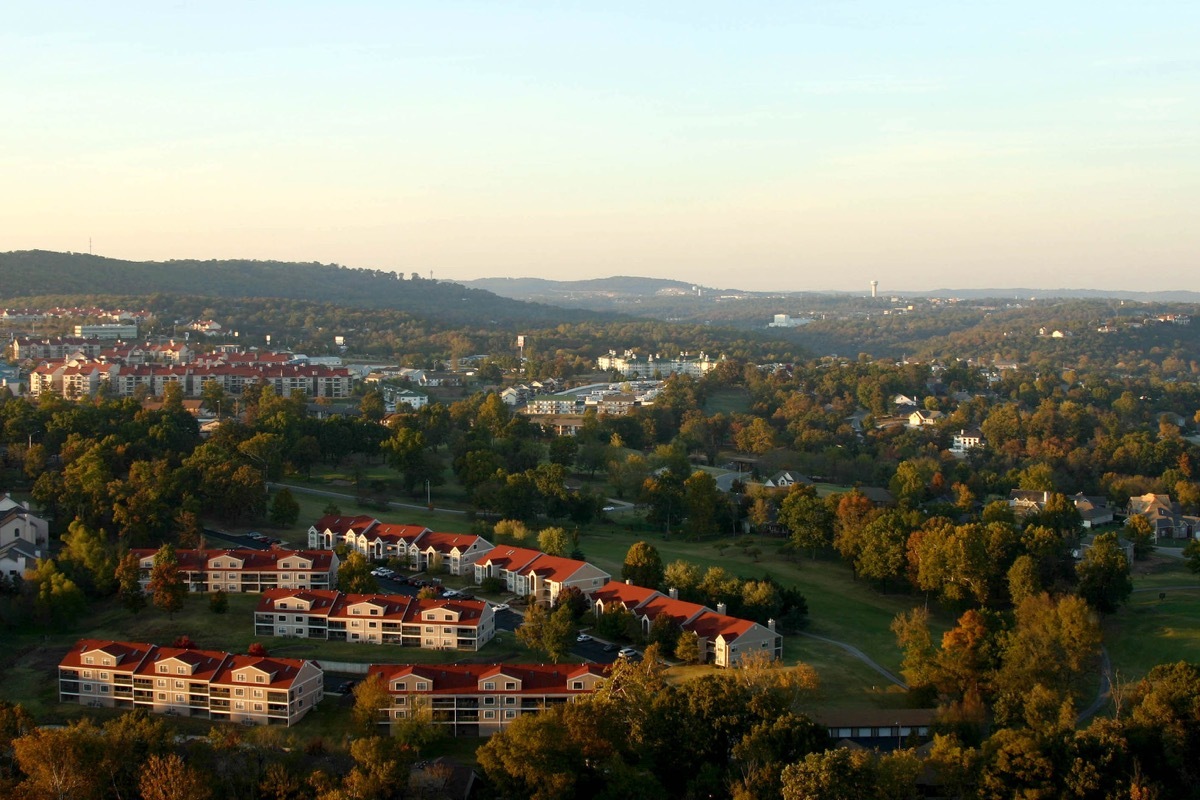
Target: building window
(509, 714)
(259, 679)
(88, 660)
(240, 692)
(489, 715)
(422, 686)
(178, 698)
(577, 685)
(162, 668)
(490, 685)
(87, 673)
(510, 685)
(161, 682)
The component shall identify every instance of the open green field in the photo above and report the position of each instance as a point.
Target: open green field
(728, 401)
(839, 607)
(1149, 631)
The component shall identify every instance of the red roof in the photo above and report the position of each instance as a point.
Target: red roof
(553, 568)
(710, 625)
(252, 560)
(128, 655)
(465, 678)
(510, 558)
(625, 593)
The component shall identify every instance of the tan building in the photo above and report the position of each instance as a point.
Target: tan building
(531, 572)
(375, 618)
(723, 639)
(245, 570)
(205, 684)
(479, 699)
(416, 545)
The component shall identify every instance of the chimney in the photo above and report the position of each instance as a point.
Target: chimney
(673, 592)
(771, 625)
(628, 582)
(721, 609)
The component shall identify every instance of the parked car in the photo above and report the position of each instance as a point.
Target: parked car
(610, 647)
(345, 686)
(610, 508)
(377, 572)
(628, 652)
(499, 606)
(583, 637)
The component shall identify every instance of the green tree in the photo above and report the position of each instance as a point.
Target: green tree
(371, 699)
(704, 504)
(88, 556)
(284, 509)
(554, 541)
(1023, 580)
(129, 588)
(679, 574)
(808, 519)
(548, 632)
(58, 600)
(354, 575)
(1103, 572)
(167, 587)
(1191, 552)
(218, 602)
(831, 775)
(643, 566)
(1140, 532)
(687, 648)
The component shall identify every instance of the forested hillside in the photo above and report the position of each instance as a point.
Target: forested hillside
(40, 272)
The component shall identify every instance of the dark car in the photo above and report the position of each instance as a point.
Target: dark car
(610, 648)
(345, 686)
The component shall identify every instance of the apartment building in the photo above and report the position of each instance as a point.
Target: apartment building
(534, 573)
(245, 570)
(416, 545)
(723, 639)
(205, 684)
(480, 699)
(375, 618)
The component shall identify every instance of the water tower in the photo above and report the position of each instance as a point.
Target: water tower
(874, 289)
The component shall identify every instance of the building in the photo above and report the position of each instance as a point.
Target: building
(107, 331)
(533, 573)
(375, 619)
(723, 639)
(245, 570)
(965, 441)
(481, 699)
(1165, 516)
(416, 545)
(203, 684)
(632, 364)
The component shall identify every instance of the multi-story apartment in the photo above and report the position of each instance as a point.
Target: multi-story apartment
(478, 699)
(724, 640)
(245, 570)
(375, 618)
(632, 364)
(206, 684)
(533, 573)
(417, 545)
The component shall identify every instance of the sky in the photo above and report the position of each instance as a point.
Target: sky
(805, 145)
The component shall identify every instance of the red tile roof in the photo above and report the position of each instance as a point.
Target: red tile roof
(465, 678)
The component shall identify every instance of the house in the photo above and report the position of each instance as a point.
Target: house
(879, 496)
(245, 570)
(481, 699)
(375, 619)
(902, 400)
(417, 545)
(533, 573)
(1095, 511)
(923, 417)
(1165, 516)
(204, 684)
(723, 639)
(19, 524)
(785, 479)
(965, 441)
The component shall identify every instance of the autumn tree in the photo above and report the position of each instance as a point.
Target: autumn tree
(808, 519)
(169, 777)
(371, 698)
(167, 586)
(354, 575)
(548, 632)
(1140, 532)
(128, 575)
(554, 541)
(643, 566)
(1103, 572)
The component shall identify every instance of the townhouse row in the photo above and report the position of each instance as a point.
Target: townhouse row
(246, 570)
(375, 618)
(723, 640)
(204, 684)
(481, 699)
(419, 547)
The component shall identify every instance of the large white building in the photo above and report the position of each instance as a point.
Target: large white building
(633, 364)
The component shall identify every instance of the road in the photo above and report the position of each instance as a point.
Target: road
(861, 656)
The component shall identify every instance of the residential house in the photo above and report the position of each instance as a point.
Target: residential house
(1095, 511)
(724, 640)
(245, 570)
(785, 479)
(965, 441)
(1165, 516)
(204, 684)
(434, 624)
(922, 418)
(481, 699)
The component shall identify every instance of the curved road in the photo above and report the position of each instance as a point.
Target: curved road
(861, 656)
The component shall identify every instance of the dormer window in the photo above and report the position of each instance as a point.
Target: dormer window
(88, 660)
(163, 668)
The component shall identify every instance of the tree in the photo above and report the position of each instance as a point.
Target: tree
(554, 541)
(703, 503)
(511, 529)
(548, 632)
(354, 575)
(284, 509)
(1191, 552)
(218, 602)
(170, 778)
(1104, 580)
(371, 698)
(58, 600)
(1140, 532)
(129, 588)
(687, 648)
(679, 574)
(59, 763)
(643, 566)
(86, 553)
(808, 519)
(758, 437)
(1023, 581)
(831, 775)
(167, 587)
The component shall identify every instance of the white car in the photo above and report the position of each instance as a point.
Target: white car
(610, 508)
(583, 637)
(378, 573)
(627, 652)
(499, 606)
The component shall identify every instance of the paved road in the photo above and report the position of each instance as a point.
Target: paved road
(1103, 693)
(1191, 588)
(861, 656)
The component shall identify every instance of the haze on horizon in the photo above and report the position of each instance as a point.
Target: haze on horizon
(783, 146)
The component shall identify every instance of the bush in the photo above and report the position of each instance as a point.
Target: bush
(492, 585)
(218, 602)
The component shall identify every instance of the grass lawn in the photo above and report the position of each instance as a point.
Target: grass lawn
(839, 607)
(728, 401)
(1149, 631)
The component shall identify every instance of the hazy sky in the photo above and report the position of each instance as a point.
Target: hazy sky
(812, 144)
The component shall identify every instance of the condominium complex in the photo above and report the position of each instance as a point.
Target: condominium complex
(416, 545)
(477, 699)
(532, 573)
(245, 570)
(205, 684)
(375, 618)
(723, 639)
